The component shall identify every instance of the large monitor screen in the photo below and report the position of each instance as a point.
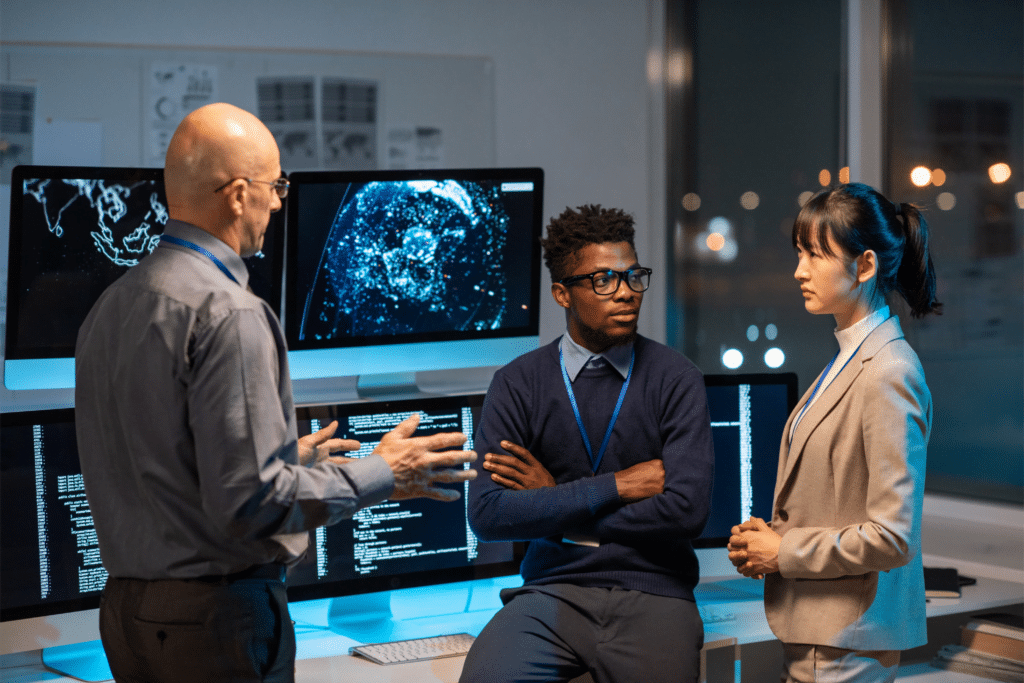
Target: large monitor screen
(748, 416)
(50, 559)
(397, 544)
(73, 231)
(384, 265)
(49, 555)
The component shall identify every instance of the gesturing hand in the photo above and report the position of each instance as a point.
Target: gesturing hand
(319, 445)
(517, 471)
(417, 464)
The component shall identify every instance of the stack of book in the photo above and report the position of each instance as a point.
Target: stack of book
(991, 646)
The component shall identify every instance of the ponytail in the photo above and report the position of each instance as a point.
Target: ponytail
(915, 278)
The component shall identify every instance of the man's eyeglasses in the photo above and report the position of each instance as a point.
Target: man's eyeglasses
(607, 281)
(280, 185)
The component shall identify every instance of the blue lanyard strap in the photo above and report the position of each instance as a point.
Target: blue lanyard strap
(818, 385)
(205, 252)
(595, 464)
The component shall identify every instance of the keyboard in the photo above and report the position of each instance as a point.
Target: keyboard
(716, 616)
(415, 650)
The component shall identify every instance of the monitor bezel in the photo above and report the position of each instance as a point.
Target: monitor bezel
(789, 379)
(291, 296)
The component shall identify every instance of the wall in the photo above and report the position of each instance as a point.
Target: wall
(571, 90)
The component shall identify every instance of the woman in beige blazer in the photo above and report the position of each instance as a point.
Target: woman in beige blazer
(844, 587)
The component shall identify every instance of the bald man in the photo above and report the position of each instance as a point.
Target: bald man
(199, 488)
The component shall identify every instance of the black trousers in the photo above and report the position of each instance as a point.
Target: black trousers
(197, 630)
(558, 632)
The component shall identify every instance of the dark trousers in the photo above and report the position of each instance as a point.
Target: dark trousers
(197, 630)
(559, 632)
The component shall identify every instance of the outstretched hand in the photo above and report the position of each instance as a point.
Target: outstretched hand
(754, 548)
(419, 463)
(319, 445)
(517, 471)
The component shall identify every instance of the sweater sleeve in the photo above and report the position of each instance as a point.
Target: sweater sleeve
(497, 513)
(681, 511)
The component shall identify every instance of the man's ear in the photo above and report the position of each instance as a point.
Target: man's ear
(561, 294)
(867, 266)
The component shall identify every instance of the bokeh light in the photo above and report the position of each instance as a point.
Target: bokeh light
(752, 333)
(946, 201)
(1020, 200)
(999, 173)
(824, 178)
(691, 201)
(715, 241)
(771, 331)
(938, 177)
(732, 359)
(774, 357)
(921, 176)
(844, 174)
(804, 198)
(750, 201)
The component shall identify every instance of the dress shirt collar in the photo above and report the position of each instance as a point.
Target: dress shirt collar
(200, 237)
(576, 357)
(852, 337)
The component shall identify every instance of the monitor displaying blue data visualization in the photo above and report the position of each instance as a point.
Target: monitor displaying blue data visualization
(402, 271)
(748, 416)
(398, 543)
(73, 231)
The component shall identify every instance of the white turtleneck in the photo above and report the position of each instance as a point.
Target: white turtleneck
(849, 340)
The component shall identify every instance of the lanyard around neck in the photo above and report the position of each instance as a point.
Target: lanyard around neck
(596, 463)
(205, 252)
(818, 385)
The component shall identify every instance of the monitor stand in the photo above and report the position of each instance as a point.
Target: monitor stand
(84, 661)
(409, 613)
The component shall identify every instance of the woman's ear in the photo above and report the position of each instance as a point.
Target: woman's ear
(867, 266)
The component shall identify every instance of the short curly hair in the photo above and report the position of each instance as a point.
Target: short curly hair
(573, 230)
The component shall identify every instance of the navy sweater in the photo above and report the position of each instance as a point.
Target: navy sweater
(645, 545)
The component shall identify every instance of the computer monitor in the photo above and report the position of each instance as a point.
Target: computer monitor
(396, 544)
(73, 231)
(402, 271)
(50, 563)
(748, 416)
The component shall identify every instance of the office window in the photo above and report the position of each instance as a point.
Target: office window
(956, 103)
(755, 124)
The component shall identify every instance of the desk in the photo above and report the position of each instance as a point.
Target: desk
(322, 654)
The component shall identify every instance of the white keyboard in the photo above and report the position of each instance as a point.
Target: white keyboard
(415, 650)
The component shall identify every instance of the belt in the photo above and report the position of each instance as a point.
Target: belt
(275, 571)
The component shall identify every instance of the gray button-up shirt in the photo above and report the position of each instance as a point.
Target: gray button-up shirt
(186, 424)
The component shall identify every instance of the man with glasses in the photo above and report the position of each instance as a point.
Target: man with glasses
(199, 488)
(599, 454)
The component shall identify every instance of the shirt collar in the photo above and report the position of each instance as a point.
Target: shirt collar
(199, 237)
(855, 334)
(575, 356)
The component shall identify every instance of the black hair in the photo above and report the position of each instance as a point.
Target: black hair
(575, 229)
(858, 218)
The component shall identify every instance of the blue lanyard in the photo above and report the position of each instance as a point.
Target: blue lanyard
(594, 464)
(818, 385)
(205, 252)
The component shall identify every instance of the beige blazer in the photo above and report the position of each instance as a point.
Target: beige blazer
(848, 500)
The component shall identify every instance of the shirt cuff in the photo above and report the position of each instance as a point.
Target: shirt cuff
(374, 479)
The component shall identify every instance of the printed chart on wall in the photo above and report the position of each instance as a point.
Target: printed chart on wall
(321, 122)
(172, 91)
